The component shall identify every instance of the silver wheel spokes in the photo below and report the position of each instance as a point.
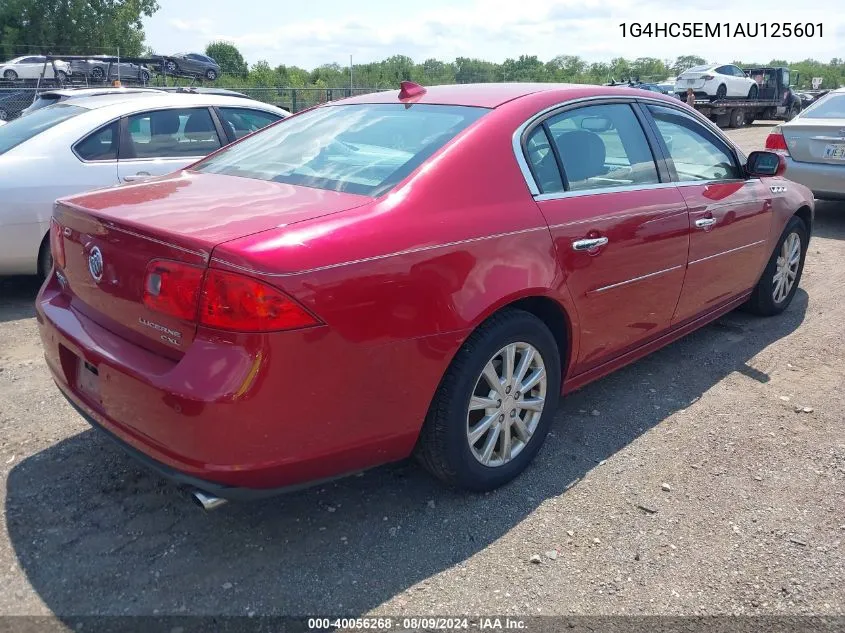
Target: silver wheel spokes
(506, 404)
(786, 271)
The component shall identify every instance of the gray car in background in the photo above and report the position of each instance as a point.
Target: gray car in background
(813, 144)
(192, 65)
(97, 67)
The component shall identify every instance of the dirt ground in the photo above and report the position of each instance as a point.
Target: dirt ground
(751, 519)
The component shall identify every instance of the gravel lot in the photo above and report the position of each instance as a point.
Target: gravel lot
(684, 484)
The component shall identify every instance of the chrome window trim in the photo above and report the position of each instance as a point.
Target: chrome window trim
(598, 191)
(516, 141)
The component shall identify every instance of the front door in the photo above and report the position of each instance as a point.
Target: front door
(159, 142)
(621, 233)
(730, 216)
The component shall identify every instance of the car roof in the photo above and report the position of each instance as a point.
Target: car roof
(490, 95)
(123, 103)
(88, 92)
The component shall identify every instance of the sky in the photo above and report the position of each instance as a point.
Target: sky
(309, 34)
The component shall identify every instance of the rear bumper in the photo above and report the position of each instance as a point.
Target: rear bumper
(825, 180)
(234, 417)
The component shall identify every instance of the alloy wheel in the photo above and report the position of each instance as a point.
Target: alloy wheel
(506, 404)
(786, 270)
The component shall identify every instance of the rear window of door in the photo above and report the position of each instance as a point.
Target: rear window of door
(243, 121)
(99, 145)
(695, 152)
(173, 133)
(601, 146)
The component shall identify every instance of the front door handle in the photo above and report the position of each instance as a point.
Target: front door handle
(589, 243)
(703, 223)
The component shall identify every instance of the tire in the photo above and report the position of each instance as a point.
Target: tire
(753, 92)
(763, 301)
(10, 75)
(444, 447)
(45, 258)
(171, 67)
(97, 73)
(145, 76)
(61, 76)
(737, 118)
(211, 74)
(721, 91)
(4, 116)
(792, 112)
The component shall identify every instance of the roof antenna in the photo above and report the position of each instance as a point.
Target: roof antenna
(410, 89)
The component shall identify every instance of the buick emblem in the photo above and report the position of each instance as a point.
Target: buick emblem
(95, 264)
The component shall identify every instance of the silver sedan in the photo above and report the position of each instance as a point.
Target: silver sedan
(813, 144)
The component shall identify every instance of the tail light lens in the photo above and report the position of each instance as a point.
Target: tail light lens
(57, 243)
(777, 143)
(708, 77)
(231, 301)
(173, 288)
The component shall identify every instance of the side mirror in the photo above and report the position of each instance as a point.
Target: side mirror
(765, 164)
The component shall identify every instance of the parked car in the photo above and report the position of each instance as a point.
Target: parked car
(52, 97)
(97, 67)
(193, 65)
(813, 145)
(91, 142)
(13, 102)
(31, 67)
(716, 82)
(399, 299)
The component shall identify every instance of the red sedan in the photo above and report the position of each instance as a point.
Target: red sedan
(422, 272)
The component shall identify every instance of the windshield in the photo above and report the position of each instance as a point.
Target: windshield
(361, 149)
(831, 106)
(26, 127)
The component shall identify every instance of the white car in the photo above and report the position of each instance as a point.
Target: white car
(31, 68)
(101, 141)
(716, 82)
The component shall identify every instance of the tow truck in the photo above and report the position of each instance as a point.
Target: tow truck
(776, 100)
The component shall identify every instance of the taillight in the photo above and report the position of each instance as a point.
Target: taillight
(708, 77)
(57, 243)
(230, 301)
(777, 143)
(173, 288)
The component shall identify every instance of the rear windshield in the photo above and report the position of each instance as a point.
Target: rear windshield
(43, 101)
(16, 132)
(831, 106)
(361, 149)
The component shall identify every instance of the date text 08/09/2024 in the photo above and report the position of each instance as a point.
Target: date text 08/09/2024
(417, 623)
(722, 29)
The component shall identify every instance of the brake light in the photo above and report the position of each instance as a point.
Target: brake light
(57, 243)
(173, 288)
(776, 142)
(230, 301)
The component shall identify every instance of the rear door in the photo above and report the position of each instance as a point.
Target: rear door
(620, 229)
(158, 142)
(730, 216)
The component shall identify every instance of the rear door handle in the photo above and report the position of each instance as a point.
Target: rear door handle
(142, 175)
(589, 244)
(703, 223)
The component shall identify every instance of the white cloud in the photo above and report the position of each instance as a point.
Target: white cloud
(497, 29)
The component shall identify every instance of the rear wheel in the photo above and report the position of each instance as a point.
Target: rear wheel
(211, 74)
(779, 283)
(737, 117)
(45, 258)
(752, 92)
(793, 111)
(721, 91)
(97, 73)
(4, 116)
(171, 67)
(495, 404)
(145, 76)
(10, 75)
(61, 76)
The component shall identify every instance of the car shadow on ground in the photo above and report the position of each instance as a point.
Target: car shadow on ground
(17, 297)
(830, 219)
(97, 534)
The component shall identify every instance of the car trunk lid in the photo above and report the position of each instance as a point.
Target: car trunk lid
(816, 141)
(111, 236)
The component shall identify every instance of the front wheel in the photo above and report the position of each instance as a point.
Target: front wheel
(211, 74)
(494, 406)
(98, 73)
(779, 283)
(10, 75)
(61, 76)
(145, 76)
(753, 91)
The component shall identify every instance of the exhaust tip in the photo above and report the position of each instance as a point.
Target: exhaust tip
(206, 501)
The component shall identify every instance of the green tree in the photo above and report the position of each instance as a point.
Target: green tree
(685, 62)
(73, 26)
(228, 57)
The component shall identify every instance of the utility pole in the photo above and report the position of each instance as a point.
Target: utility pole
(350, 75)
